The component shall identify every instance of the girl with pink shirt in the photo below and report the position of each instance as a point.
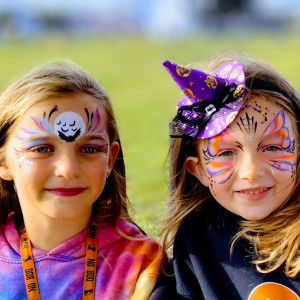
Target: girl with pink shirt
(65, 228)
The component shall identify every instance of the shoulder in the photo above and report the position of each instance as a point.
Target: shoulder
(210, 217)
(9, 239)
(126, 234)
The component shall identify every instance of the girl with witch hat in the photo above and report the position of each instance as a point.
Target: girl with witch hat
(233, 230)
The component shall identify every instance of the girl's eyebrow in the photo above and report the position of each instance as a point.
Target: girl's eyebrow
(228, 135)
(33, 141)
(90, 137)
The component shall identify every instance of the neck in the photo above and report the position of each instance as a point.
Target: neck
(47, 233)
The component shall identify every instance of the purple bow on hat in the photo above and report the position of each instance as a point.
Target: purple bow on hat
(211, 102)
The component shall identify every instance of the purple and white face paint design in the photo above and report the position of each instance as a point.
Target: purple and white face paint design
(68, 126)
(94, 121)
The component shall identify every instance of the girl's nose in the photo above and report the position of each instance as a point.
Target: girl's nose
(251, 167)
(67, 166)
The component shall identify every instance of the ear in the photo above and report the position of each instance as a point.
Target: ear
(114, 150)
(194, 167)
(5, 172)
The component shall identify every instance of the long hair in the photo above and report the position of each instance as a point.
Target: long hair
(275, 239)
(54, 80)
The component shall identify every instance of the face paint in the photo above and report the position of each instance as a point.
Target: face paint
(22, 159)
(32, 143)
(68, 126)
(247, 125)
(277, 148)
(219, 156)
(27, 133)
(223, 170)
(41, 162)
(95, 125)
(252, 178)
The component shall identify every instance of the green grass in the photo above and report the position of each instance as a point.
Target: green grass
(143, 95)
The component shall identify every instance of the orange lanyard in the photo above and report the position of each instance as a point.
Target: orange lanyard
(90, 268)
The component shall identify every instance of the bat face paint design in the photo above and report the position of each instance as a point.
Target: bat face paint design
(68, 126)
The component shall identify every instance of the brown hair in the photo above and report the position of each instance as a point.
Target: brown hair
(53, 80)
(275, 239)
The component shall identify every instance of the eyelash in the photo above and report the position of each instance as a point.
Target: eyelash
(37, 149)
(225, 153)
(95, 149)
(103, 148)
(272, 148)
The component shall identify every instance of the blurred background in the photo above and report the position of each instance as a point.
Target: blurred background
(123, 44)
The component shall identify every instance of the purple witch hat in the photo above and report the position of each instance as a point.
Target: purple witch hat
(211, 102)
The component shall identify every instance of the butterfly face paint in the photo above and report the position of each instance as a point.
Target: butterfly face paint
(250, 167)
(276, 135)
(218, 156)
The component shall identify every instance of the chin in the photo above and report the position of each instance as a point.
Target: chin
(254, 216)
(67, 214)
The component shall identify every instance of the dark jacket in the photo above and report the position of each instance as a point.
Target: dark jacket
(205, 269)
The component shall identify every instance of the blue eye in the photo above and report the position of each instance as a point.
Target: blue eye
(90, 149)
(94, 148)
(43, 149)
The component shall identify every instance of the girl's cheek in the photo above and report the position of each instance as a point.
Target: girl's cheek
(23, 161)
(283, 162)
(212, 184)
(220, 171)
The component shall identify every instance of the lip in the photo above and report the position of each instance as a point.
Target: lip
(68, 192)
(254, 194)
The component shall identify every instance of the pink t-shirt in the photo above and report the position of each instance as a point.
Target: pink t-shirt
(126, 268)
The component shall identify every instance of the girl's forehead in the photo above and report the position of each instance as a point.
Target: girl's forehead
(257, 113)
(261, 108)
(254, 118)
(75, 103)
(68, 118)
(82, 105)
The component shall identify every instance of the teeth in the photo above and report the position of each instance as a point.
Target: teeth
(255, 192)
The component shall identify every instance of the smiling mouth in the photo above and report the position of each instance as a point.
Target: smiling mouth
(66, 191)
(255, 191)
